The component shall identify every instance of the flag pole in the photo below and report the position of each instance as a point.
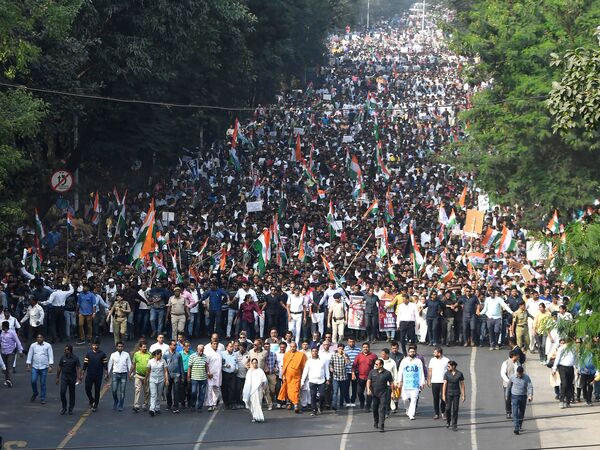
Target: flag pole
(67, 264)
(358, 253)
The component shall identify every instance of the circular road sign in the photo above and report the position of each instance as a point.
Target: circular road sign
(61, 181)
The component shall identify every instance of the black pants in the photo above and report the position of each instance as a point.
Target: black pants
(452, 408)
(380, 405)
(186, 392)
(239, 387)
(372, 323)
(97, 384)
(433, 326)
(362, 386)
(567, 376)
(540, 341)
(438, 403)
(228, 388)
(272, 320)
(174, 393)
(407, 334)
(56, 324)
(507, 401)
(586, 386)
(314, 389)
(8, 359)
(350, 398)
(64, 385)
(214, 318)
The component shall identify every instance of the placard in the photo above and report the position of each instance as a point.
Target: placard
(347, 138)
(356, 313)
(168, 217)
(526, 274)
(474, 222)
(387, 318)
(299, 131)
(326, 96)
(256, 206)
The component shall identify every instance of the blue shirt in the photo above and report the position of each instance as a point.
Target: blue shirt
(215, 297)
(352, 353)
(231, 360)
(86, 302)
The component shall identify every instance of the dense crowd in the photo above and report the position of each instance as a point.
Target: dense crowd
(306, 173)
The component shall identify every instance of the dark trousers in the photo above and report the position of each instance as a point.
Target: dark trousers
(96, 383)
(452, 408)
(56, 324)
(567, 376)
(174, 393)
(540, 341)
(214, 318)
(228, 389)
(314, 390)
(433, 330)
(507, 401)
(362, 386)
(380, 405)
(372, 323)
(494, 330)
(586, 386)
(239, 387)
(438, 403)
(350, 398)
(8, 359)
(70, 385)
(470, 328)
(407, 333)
(272, 320)
(519, 403)
(186, 392)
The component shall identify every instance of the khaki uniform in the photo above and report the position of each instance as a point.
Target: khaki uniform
(338, 322)
(121, 310)
(177, 305)
(521, 329)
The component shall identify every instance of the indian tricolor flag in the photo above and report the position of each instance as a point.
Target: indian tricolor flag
(354, 171)
(507, 241)
(476, 259)
(463, 198)
(161, 270)
(391, 273)
(383, 244)
(415, 254)
(301, 253)
(145, 242)
(70, 220)
(451, 219)
(490, 237)
(381, 167)
(202, 248)
(389, 206)
(442, 216)
(328, 268)
(262, 245)
(330, 219)
(96, 210)
(39, 228)
(236, 132)
(373, 209)
(554, 224)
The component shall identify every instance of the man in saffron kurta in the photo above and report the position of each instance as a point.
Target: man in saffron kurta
(293, 365)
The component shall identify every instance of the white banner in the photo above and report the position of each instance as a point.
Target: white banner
(254, 206)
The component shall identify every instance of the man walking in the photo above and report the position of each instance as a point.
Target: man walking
(86, 309)
(68, 374)
(119, 365)
(507, 370)
(293, 367)
(177, 312)
(174, 363)
(10, 345)
(411, 380)
(362, 366)
(40, 360)
(520, 388)
(378, 387)
(95, 365)
(230, 368)
(438, 365)
(139, 369)
(317, 374)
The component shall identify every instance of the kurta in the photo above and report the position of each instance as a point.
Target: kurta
(214, 363)
(256, 382)
(293, 365)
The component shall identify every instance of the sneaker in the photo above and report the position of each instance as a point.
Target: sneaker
(80, 343)
(63, 411)
(94, 408)
(158, 411)
(43, 402)
(314, 413)
(278, 406)
(353, 405)
(151, 413)
(454, 428)
(70, 412)
(516, 431)
(411, 417)
(436, 417)
(33, 397)
(491, 349)
(508, 415)
(375, 425)
(175, 411)
(348, 405)
(270, 408)
(381, 429)
(8, 383)
(135, 409)
(497, 347)
(562, 405)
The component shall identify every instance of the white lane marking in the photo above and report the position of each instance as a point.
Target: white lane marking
(344, 440)
(473, 399)
(205, 429)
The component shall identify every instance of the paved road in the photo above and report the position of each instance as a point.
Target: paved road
(42, 427)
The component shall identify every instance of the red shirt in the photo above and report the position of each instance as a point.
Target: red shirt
(363, 364)
(247, 311)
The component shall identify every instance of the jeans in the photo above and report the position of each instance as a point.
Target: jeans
(339, 388)
(372, 326)
(540, 341)
(438, 403)
(494, 329)
(314, 390)
(452, 408)
(519, 403)
(70, 385)
(70, 323)
(380, 405)
(97, 384)
(119, 382)
(450, 334)
(248, 328)
(199, 392)
(214, 321)
(40, 374)
(157, 320)
(155, 394)
(362, 386)
(192, 325)
(142, 321)
(470, 328)
(231, 314)
(174, 393)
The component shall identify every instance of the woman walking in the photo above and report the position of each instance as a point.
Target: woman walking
(256, 382)
(157, 377)
(454, 386)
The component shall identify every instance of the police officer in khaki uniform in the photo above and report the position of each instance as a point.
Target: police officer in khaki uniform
(119, 312)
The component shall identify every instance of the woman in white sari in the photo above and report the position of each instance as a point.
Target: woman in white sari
(256, 382)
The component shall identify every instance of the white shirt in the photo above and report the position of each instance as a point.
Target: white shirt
(503, 369)
(438, 368)
(13, 323)
(325, 357)
(390, 365)
(315, 371)
(58, 298)
(119, 362)
(280, 362)
(296, 303)
(406, 313)
(328, 295)
(35, 315)
(162, 347)
(241, 294)
(142, 293)
(40, 356)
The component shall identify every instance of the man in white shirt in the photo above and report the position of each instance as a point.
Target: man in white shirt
(327, 298)
(438, 366)
(159, 345)
(406, 320)
(493, 310)
(192, 301)
(296, 313)
(317, 374)
(56, 313)
(35, 316)
(143, 312)
(40, 360)
(119, 365)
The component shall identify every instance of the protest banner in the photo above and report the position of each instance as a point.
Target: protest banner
(387, 318)
(254, 206)
(474, 222)
(356, 313)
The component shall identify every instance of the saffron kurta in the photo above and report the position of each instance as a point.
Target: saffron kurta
(293, 365)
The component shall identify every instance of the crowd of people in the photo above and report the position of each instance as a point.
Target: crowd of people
(307, 176)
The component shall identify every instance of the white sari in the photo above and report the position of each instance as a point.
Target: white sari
(256, 382)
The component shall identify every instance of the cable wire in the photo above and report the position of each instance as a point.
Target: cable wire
(322, 435)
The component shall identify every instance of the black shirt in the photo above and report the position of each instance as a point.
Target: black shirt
(469, 305)
(379, 381)
(95, 363)
(68, 365)
(453, 382)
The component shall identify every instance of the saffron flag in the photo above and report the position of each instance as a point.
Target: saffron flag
(554, 225)
(373, 209)
(262, 245)
(301, 253)
(39, 227)
(463, 198)
(145, 242)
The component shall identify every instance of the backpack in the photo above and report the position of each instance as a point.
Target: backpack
(71, 303)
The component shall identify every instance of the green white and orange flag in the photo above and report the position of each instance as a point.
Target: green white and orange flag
(373, 209)
(463, 198)
(145, 242)
(301, 253)
(262, 245)
(330, 219)
(507, 242)
(39, 227)
(354, 171)
(236, 131)
(383, 244)
(298, 150)
(381, 167)
(389, 206)
(390, 269)
(96, 210)
(451, 219)
(490, 238)
(202, 248)
(442, 216)
(328, 268)
(554, 224)
(415, 254)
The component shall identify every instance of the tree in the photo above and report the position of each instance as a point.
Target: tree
(510, 146)
(575, 100)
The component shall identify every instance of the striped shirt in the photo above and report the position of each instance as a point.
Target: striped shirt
(352, 353)
(197, 364)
